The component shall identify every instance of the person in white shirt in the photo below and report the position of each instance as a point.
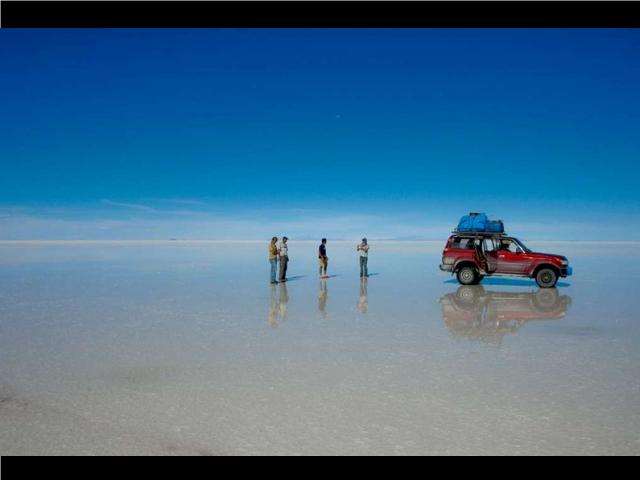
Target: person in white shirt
(283, 253)
(363, 249)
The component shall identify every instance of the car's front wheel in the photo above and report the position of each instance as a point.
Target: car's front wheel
(547, 278)
(468, 276)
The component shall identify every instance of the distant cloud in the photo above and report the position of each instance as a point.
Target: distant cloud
(162, 207)
(187, 201)
(130, 206)
(156, 220)
(160, 225)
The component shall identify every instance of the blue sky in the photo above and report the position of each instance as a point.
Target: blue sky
(239, 133)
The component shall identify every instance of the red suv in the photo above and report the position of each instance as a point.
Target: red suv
(473, 256)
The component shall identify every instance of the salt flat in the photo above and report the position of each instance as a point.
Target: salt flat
(183, 348)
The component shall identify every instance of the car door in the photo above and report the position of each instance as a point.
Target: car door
(490, 254)
(512, 262)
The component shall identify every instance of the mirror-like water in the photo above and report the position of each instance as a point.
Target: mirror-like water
(184, 348)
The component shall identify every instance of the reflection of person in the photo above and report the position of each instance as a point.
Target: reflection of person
(273, 259)
(322, 258)
(363, 300)
(273, 308)
(283, 301)
(363, 249)
(323, 295)
(278, 305)
(283, 252)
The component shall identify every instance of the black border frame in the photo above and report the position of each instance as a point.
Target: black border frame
(320, 14)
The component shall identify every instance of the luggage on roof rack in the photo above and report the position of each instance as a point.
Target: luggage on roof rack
(479, 223)
(480, 234)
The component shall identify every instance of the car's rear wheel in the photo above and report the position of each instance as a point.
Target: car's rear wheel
(467, 276)
(546, 278)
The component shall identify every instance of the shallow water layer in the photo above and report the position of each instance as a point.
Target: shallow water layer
(184, 348)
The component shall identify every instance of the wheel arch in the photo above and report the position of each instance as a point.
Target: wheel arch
(465, 263)
(540, 266)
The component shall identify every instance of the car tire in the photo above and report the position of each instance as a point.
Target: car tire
(547, 278)
(467, 276)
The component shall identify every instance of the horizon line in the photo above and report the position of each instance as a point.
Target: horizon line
(211, 241)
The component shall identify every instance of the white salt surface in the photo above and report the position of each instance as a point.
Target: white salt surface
(183, 348)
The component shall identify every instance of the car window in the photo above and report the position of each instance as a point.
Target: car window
(463, 243)
(510, 246)
(489, 246)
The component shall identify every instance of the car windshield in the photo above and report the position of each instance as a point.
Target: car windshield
(521, 245)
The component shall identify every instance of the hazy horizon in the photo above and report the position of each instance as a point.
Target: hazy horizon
(167, 220)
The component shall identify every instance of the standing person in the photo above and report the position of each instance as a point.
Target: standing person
(273, 259)
(323, 259)
(283, 252)
(363, 248)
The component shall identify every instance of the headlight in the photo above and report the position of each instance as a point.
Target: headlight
(447, 261)
(565, 263)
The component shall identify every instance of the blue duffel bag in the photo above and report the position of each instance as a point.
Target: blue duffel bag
(474, 222)
(495, 226)
(479, 222)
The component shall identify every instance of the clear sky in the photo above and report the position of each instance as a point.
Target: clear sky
(242, 134)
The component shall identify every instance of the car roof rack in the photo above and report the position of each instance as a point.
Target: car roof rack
(481, 234)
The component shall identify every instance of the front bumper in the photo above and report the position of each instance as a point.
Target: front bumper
(566, 272)
(446, 268)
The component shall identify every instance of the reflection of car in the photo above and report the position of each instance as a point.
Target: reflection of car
(477, 314)
(473, 256)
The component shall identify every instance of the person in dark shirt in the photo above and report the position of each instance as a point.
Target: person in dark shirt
(323, 260)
